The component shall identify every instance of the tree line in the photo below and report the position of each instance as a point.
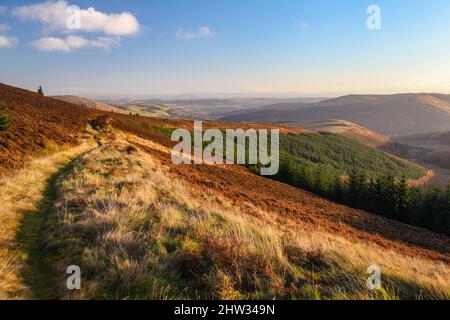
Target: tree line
(385, 195)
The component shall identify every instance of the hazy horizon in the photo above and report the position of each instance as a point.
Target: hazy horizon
(275, 48)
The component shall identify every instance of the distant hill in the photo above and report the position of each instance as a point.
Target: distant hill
(202, 109)
(399, 114)
(91, 104)
(348, 129)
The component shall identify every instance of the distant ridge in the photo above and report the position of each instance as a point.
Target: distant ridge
(91, 104)
(398, 114)
(350, 130)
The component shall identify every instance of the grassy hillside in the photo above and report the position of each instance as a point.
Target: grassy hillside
(347, 129)
(39, 125)
(147, 236)
(91, 104)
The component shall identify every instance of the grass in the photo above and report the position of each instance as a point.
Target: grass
(22, 199)
(138, 234)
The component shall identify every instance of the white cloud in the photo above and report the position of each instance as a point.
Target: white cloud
(72, 43)
(202, 32)
(54, 16)
(3, 27)
(8, 42)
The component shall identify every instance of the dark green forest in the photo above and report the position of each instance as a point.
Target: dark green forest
(345, 171)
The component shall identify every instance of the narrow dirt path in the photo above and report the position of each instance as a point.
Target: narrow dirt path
(26, 198)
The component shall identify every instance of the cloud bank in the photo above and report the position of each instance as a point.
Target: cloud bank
(53, 15)
(56, 17)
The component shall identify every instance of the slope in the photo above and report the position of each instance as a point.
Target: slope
(164, 235)
(40, 125)
(347, 129)
(91, 104)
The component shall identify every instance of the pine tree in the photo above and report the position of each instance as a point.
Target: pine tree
(403, 199)
(339, 189)
(40, 91)
(357, 186)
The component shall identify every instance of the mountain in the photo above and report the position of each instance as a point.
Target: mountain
(399, 114)
(346, 128)
(91, 104)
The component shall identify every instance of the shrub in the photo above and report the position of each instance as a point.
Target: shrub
(5, 121)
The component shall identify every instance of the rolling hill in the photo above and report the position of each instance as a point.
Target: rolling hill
(347, 129)
(392, 115)
(91, 104)
(140, 227)
(198, 108)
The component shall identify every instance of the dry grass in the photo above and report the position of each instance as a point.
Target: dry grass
(20, 195)
(138, 234)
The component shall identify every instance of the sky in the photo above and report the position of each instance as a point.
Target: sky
(148, 48)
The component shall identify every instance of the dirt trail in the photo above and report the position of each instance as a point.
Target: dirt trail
(26, 198)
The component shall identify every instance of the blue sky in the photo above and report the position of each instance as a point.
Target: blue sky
(216, 47)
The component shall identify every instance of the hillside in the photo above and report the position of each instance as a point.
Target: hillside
(329, 151)
(431, 150)
(141, 227)
(347, 129)
(91, 104)
(387, 114)
(40, 125)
